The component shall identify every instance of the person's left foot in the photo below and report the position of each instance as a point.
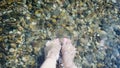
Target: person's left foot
(68, 50)
(52, 49)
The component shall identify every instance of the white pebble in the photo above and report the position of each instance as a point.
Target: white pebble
(114, 1)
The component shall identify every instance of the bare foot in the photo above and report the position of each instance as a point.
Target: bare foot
(68, 52)
(68, 49)
(52, 49)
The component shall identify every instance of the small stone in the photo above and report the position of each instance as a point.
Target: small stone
(33, 26)
(114, 1)
(1, 55)
(24, 59)
(13, 45)
(100, 65)
(39, 2)
(28, 17)
(16, 61)
(70, 28)
(36, 50)
(75, 33)
(1, 29)
(54, 21)
(34, 23)
(38, 13)
(12, 50)
(18, 32)
(117, 31)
